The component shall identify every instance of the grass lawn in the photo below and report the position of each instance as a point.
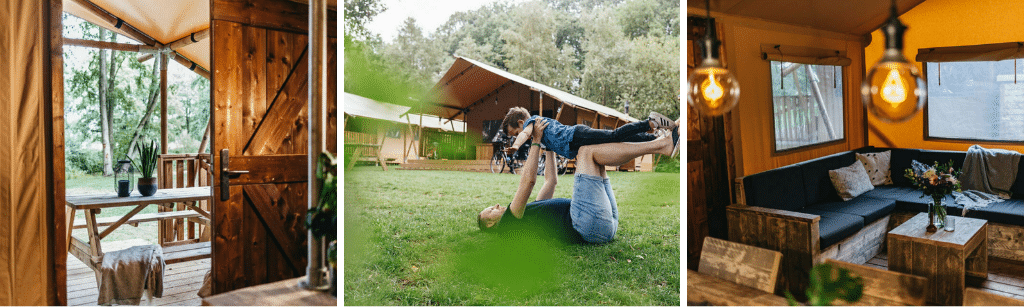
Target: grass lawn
(411, 239)
(92, 184)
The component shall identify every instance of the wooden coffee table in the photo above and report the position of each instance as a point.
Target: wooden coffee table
(944, 257)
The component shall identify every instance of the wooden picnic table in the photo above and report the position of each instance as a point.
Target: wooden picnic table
(91, 253)
(281, 293)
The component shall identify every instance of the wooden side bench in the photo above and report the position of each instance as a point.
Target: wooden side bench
(739, 263)
(980, 297)
(187, 252)
(885, 288)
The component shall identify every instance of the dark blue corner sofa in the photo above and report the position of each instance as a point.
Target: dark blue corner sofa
(795, 210)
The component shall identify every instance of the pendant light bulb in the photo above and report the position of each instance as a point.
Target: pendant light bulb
(712, 90)
(894, 89)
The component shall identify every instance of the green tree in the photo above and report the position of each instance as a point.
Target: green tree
(414, 57)
(532, 51)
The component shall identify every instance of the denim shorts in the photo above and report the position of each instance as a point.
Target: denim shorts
(594, 213)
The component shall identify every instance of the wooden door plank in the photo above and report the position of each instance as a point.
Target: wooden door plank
(254, 78)
(260, 199)
(281, 15)
(270, 169)
(282, 113)
(227, 262)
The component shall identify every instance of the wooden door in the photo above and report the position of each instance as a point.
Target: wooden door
(259, 83)
(708, 176)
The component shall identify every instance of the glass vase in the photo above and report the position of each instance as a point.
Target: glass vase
(937, 212)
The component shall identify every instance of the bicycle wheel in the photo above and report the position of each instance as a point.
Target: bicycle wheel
(561, 163)
(497, 163)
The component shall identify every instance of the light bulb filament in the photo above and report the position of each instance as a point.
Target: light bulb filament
(893, 90)
(712, 91)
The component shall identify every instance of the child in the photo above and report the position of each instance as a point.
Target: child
(567, 140)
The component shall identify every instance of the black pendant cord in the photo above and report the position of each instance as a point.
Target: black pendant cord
(940, 72)
(835, 76)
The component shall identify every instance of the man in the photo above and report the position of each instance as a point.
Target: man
(592, 214)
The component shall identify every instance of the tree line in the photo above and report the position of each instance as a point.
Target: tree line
(612, 52)
(112, 100)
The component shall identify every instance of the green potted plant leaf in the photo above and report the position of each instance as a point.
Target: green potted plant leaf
(322, 220)
(146, 164)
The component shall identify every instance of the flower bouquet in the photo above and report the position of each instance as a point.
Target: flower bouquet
(936, 182)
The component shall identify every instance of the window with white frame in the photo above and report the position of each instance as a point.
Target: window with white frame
(975, 101)
(807, 104)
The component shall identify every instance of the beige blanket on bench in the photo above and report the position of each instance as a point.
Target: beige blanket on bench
(127, 274)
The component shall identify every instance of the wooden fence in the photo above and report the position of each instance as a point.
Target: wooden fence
(183, 171)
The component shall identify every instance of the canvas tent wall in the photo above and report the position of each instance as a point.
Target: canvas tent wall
(368, 120)
(30, 93)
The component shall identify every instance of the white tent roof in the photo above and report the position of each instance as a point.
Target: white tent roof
(356, 105)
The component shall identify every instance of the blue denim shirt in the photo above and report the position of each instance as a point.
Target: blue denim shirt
(556, 136)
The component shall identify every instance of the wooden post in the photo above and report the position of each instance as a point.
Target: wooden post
(465, 136)
(420, 149)
(540, 103)
(405, 137)
(163, 103)
(316, 271)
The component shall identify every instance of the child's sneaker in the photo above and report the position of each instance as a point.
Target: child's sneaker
(675, 141)
(659, 121)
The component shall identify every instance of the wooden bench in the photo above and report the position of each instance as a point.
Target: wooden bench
(885, 288)
(142, 218)
(980, 297)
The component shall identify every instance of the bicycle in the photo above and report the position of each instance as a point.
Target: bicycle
(500, 160)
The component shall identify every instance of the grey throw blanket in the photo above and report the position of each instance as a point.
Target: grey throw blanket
(127, 274)
(987, 176)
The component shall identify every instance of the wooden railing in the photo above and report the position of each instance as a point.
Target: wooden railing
(799, 121)
(183, 171)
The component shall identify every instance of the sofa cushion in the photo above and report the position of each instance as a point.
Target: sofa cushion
(816, 178)
(834, 226)
(929, 157)
(899, 162)
(1017, 190)
(877, 166)
(871, 209)
(1006, 212)
(780, 188)
(850, 181)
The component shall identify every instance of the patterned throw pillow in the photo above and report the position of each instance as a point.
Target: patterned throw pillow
(851, 181)
(877, 166)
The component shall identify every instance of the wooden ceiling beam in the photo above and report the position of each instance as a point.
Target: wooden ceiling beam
(190, 65)
(180, 43)
(104, 45)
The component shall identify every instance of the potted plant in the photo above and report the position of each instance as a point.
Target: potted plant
(147, 165)
(322, 220)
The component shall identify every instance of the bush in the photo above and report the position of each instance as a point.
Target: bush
(667, 164)
(89, 161)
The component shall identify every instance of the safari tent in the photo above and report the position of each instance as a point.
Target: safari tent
(814, 99)
(271, 66)
(480, 95)
(388, 131)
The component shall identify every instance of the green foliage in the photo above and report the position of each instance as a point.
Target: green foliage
(358, 13)
(147, 157)
(667, 164)
(131, 85)
(824, 289)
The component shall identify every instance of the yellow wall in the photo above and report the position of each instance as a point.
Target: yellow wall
(942, 23)
(752, 120)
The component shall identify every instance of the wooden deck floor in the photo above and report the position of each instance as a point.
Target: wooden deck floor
(181, 280)
(1005, 278)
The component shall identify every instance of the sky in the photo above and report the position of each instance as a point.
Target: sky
(429, 14)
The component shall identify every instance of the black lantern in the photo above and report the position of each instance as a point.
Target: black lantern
(123, 183)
